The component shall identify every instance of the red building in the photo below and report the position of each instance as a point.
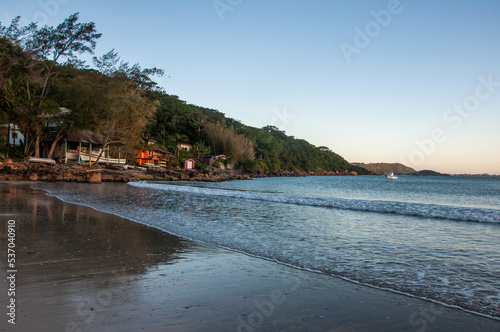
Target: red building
(151, 154)
(189, 164)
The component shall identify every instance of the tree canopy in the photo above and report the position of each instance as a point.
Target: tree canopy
(41, 73)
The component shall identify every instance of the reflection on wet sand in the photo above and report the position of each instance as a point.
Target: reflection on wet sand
(64, 249)
(86, 235)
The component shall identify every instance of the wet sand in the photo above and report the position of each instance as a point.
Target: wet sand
(83, 270)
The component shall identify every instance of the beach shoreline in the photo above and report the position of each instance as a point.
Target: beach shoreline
(79, 269)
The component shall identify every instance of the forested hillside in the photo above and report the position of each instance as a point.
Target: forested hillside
(265, 148)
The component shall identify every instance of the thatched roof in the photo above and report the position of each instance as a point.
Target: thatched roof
(85, 136)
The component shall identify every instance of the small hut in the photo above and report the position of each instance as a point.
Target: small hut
(189, 164)
(79, 147)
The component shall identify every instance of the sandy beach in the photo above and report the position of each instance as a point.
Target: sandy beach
(78, 269)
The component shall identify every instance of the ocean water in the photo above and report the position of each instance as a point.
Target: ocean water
(436, 238)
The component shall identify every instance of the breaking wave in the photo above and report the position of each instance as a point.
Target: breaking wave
(449, 212)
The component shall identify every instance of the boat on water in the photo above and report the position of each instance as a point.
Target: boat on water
(390, 176)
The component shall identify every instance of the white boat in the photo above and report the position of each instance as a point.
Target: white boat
(42, 160)
(150, 165)
(390, 176)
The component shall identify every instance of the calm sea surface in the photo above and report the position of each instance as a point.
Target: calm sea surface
(431, 237)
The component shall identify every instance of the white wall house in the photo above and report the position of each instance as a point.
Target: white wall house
(185, 146)
(15, 135)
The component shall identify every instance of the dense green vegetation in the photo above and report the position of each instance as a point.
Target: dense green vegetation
(40, 72)
(273, 149)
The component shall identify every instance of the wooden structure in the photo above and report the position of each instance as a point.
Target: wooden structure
(80, 147)
(212, 158)
(12, 133)
(189, 164)
(185, 146)
(151, 154)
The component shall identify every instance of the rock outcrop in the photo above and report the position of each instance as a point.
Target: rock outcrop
(16, 171)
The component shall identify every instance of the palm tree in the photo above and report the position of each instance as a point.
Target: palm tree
(201, 149)
(177, 139)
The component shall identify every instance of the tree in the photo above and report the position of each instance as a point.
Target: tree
(47, 46)
(273, 130)
(226, 140)
(176, 140)
(106, 63)
(142, 77)
(325, 149)
(62, 122)
(127, 114)
(16, 34)
(201, 149)
(113, 108)
(12, 65)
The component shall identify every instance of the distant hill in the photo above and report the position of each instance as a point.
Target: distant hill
(427, 172)
(382, 168)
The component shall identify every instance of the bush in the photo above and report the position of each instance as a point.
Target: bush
(132, 162)
(14, 152)
(200, 166)
(272, 166)
(254, 166)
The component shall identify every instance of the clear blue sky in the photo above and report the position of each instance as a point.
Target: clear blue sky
(406, 81)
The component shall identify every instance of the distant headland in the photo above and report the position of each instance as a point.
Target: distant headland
(400, 169)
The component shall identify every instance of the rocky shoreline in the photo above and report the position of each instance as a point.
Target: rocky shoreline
(22, 171)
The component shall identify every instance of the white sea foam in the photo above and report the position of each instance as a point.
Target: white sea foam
(403, 208)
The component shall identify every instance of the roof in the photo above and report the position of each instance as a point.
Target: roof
(148, 139)
(12, 126)
(213, 155)
(82, 136)
(63, 111)
(85, 136)
(153, 148)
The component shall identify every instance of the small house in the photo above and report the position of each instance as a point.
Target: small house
(12, 133)
(79, 147)
(151, 154)
(189, 164)
(149, 141)
(185, 146)
(56, 120)
(212, 158)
